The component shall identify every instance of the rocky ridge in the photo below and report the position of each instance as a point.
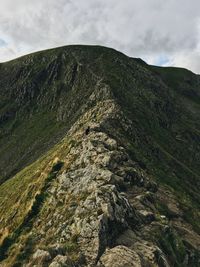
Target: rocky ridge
(101, 209)
(91, 202)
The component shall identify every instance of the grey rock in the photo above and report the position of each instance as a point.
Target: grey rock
(59, 261)
(41, 256)
(120, 256)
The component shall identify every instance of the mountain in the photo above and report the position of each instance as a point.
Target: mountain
(99, 162)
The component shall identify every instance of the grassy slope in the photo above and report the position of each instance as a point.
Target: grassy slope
(37, 106)
(21, 202)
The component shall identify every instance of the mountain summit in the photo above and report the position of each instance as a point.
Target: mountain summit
(99, 162)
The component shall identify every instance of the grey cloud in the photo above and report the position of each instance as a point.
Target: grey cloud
(145, 28)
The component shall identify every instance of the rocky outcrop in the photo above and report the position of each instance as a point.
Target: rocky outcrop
(102, 209)
(40, 257)
(120, 256)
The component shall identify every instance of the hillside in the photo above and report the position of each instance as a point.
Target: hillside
(99, 162)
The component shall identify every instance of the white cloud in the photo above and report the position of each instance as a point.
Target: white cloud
(188, 60)
(150, 29)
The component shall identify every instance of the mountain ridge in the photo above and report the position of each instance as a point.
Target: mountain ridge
(111, 140)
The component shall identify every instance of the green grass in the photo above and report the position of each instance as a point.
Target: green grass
(174, 248)
(27, 222)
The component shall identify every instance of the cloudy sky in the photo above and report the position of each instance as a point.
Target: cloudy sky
(161, 32)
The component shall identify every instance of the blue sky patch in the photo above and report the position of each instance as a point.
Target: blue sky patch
(2, 42)
(162, 60)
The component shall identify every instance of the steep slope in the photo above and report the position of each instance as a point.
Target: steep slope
(41, 95)
(99, 162)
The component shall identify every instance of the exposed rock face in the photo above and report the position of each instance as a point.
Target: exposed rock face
(59, 261)
(120, 256)
(94, 199)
